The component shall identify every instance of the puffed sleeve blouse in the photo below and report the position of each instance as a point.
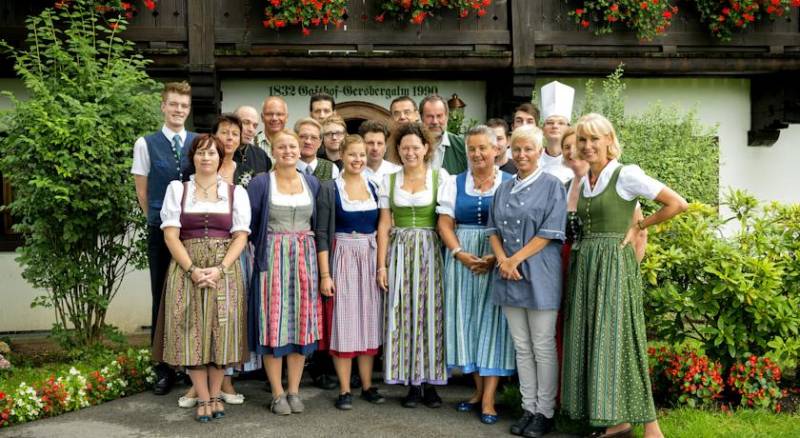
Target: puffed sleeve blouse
(172, 208)
(631, 183)
(403, 198)
(521, 211)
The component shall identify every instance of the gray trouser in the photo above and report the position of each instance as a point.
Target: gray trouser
(534, 334)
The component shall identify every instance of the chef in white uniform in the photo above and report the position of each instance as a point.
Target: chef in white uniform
(557, 100)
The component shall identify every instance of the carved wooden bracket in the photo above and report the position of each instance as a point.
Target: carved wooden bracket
(774, 103)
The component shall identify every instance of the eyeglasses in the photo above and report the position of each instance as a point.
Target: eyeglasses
(309, 137)
(333, 134)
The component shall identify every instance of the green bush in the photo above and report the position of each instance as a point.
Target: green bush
(67, 153)
(736, 294)
(661, 140)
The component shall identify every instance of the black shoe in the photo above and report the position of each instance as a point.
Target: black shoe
(413, 398)
(373, 396)
(355, 381)
(344, 402)
(325, 382)
(431, 398)
(522, 423)
(163, 385)
(538, 427)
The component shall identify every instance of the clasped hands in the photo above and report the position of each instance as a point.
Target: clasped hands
(206, 277)
(507, 267)
(477, 265)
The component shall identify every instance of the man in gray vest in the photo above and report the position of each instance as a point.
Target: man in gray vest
(158, 158)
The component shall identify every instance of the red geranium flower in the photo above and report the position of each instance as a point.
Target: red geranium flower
(614, 7)
(579, 11)
(149, 4)
(584, 23)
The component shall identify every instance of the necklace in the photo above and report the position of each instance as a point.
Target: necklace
(478, 183)
(204, 189)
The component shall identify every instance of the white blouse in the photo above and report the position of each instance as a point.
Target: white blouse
(632, 182)
(296, 200)
(446, 198)
(403, 198)
(362, 205)
(386, 168)
(171, 210)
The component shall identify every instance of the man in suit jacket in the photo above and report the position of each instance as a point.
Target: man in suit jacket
(449, 152)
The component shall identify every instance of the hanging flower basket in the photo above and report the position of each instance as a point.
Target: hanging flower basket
(724, 18)
(306, 14)
(647, 18)
(417, 11)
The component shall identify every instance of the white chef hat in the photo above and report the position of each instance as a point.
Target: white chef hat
(557, 100)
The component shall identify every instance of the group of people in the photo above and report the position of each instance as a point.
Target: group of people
(440, 252)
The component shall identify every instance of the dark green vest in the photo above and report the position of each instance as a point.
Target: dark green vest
(414, 217)
(606, 212)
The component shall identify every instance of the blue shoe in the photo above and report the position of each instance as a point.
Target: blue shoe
(466, 406)
(488, 418)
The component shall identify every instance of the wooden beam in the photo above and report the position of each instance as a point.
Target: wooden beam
(354, 62)
(200, 24)
(355, 37)
(522, 33)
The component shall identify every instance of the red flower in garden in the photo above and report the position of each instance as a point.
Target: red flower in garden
(275, 3)
(280, 23)
(481, 12)
(406, 4)
(125, 5)
(584, 23)
(149, 4)
(315, 21)
(114, 26)
(486, 3)
(267, 23)
(614, 7)
(463, 13)
(667, 15)
(306, 32)
(644, 5)
(726, 10)
(579, 11)
(418, 17)
(796, 3)
(775, 2)
(380, 18)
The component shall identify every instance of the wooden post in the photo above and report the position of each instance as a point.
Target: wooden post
(202, 70)
(523, 52)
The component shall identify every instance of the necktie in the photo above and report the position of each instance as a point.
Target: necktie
(176, 150)
(309, 171)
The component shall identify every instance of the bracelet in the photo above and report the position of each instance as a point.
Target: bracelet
(221, 268)
(325, 275)
(455, 252)
(190, 270)
(381, 269)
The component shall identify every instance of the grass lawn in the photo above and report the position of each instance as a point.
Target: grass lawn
(694, 423)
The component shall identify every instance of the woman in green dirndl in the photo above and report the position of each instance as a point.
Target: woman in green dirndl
(605, 374)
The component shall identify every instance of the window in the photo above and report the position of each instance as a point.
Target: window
(9, 240)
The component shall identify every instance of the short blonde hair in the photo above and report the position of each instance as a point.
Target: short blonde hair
(351, 140)
(597, 124)
(285, 132)
(181, 88)
(307, 121)
(334, 119)
(529, 133)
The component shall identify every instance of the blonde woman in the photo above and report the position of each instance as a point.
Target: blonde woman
(605, 378)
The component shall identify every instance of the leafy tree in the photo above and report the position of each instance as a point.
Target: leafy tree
(67, 153)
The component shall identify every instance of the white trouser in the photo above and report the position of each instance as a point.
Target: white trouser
(534, 334)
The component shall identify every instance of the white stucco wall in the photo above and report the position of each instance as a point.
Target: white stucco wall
(769, 172)
(237, 92)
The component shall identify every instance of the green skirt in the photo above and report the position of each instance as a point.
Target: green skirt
(605, 371)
